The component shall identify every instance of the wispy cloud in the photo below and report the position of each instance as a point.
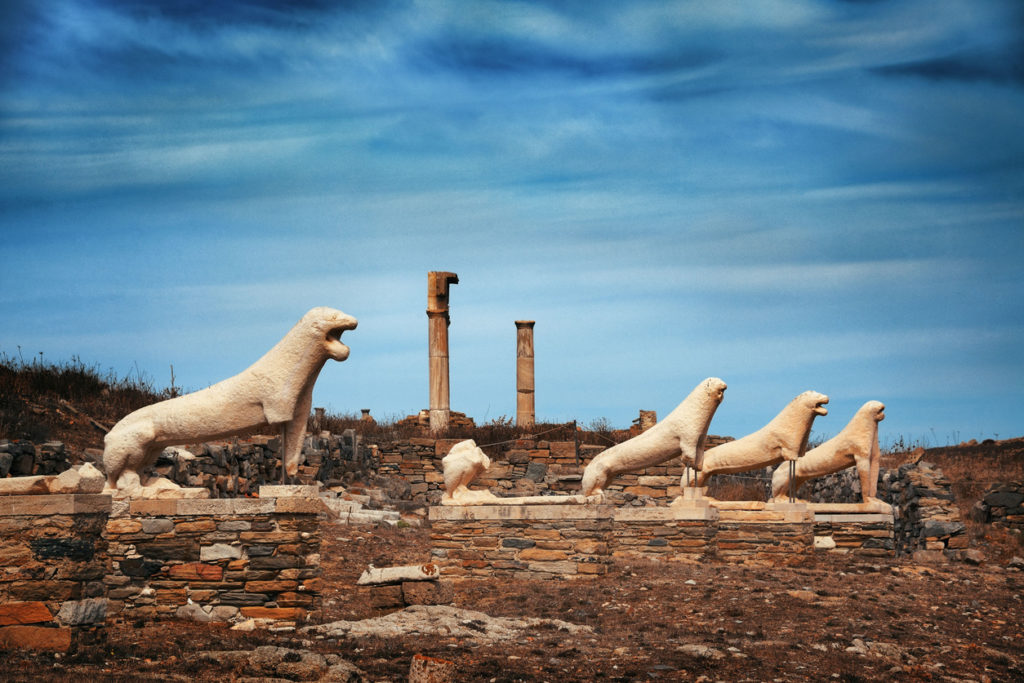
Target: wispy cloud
(795, 193)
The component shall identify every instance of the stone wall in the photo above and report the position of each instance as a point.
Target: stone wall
(581, 541)
(524, 467)
(53, 562)
(228, 469)
(23, 458)
(1002, 506)
(216, 560)
(926, 515)
(866, 534)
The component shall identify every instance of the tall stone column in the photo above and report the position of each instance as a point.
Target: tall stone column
(524, 374)
(437, 338)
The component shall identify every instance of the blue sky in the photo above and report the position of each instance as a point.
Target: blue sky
(789, 195)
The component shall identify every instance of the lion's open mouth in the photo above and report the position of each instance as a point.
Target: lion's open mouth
(335, 348)
(819, 407)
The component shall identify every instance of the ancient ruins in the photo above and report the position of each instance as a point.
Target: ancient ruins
(528, 508)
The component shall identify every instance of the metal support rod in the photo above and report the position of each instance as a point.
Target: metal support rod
(283, 450)
(792, 480)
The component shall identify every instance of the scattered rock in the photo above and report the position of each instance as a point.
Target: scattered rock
(701, 651)
(425, 669)
(192, 612)
(974, 556)
(442, 620)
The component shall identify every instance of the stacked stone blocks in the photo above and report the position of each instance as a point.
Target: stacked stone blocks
(52, 564)
(216, 560)
(1002, 506)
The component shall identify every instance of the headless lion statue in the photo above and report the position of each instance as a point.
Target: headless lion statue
(681, 433)
(275, 391)
(856, 445)
(784, 438)
(464, 463)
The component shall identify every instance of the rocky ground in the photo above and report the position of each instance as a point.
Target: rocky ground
(829, 618)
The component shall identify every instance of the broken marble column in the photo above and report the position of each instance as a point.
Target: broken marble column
(438, 283)
(415, 572)
(525, 415)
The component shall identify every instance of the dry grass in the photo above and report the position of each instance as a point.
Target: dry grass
(41, 400)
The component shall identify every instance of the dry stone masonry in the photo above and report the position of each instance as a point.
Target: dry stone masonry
(1003, 506)
(216, 560)
(53, 563)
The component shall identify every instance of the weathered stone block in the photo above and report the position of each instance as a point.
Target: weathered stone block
(33, 612)
(270, 586)
(124, 526)
(541, 555)
(153, 525)
(239, 598)
(79, 612)
(384, 597)
(427, 592)
(35, 638)
(219, 551)
(139, 567)
(186, 549)
(196, 571)
(275, 613)
(77, 549)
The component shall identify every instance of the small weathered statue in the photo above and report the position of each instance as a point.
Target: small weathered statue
(464, 463)
(275, 391)
(784, 438)
(680, 434)
(856, 445)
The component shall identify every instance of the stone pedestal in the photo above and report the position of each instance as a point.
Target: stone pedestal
(216, 560)
(867, 533)
(53, 564)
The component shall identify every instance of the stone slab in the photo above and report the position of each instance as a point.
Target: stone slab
(766, 516)
(199, 506)
(665, 514)
(849, 508)
(747, 505)
(35, 638)
(501, 512)
(289, 491)
(300, 505)
(54, 504)
(866, 518)
(24, 613)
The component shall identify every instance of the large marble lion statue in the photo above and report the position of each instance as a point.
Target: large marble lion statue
(856, 445)
(275, 391)
(784, 438)
(680, 434)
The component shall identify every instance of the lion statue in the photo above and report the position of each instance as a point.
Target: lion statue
(681, 433)
(784, 438)
(275, 391)
(856, 445)
(463, 464)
